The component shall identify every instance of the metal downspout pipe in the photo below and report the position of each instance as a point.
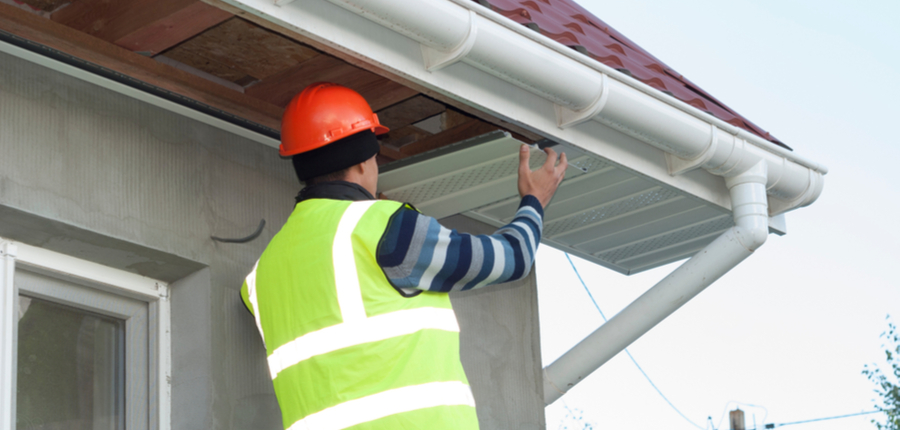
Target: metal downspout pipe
(749, 205)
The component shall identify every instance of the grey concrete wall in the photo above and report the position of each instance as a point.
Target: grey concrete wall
(107, 178)
(104, 177)
(500, 346)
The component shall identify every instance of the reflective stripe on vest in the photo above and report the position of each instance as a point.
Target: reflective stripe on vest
(379, 327)
(346, 279)
(393, 317)
(254, 301)
(387, 403)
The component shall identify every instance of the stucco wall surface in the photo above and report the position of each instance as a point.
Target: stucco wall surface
(107, 178)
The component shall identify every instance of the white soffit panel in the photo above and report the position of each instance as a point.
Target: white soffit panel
(606, 214)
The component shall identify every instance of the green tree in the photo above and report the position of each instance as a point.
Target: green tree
(888, 384)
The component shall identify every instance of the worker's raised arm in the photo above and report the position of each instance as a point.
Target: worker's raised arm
(417, 253)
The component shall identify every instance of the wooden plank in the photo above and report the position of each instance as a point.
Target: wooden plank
(45, 5)
(400, 137)
(238, 48)
(171, 30)
(93, 50)
(113, 20)
(521, 132)
(409, 111)
(378, 91)
(381, 92)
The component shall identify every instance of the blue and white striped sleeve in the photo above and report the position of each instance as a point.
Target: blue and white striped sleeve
(417, 253)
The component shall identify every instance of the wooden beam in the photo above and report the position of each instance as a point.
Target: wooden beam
(400, 137)
(409, 111)
(113, 20)
(378, 91)
(93, 50)
(520, 132)
(240, 51)
(171, 30)
(44, 5)
(459, 133)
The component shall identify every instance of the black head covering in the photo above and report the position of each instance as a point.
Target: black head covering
(335, 156)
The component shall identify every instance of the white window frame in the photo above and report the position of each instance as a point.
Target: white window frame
(153, 292)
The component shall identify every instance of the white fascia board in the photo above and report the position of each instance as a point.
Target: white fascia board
(375, 44)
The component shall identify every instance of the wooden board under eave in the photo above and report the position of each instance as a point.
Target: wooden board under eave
(171, 30)
(112, 20)
(69, 41)
(236, 49)
(378, 91)
(45, 5)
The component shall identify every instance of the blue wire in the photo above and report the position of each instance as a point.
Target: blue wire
(626, 349)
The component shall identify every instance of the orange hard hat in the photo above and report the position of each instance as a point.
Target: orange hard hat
(323, 113)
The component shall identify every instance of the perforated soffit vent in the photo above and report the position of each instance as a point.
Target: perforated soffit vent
(608, 215)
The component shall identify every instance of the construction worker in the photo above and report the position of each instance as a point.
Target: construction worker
(350, 296)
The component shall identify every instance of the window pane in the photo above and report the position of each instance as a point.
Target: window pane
(70, 368)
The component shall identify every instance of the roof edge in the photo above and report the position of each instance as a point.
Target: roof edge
(469, 53)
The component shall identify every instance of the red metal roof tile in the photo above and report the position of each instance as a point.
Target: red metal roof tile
(568, 23)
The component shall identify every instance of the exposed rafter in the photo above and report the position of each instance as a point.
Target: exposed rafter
(173, 29)
(93, 50)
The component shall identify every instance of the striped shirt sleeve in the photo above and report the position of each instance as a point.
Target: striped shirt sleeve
(417, 253)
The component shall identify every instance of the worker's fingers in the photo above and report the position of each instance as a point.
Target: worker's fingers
(524, 157)
(562, 166)
(550, 163)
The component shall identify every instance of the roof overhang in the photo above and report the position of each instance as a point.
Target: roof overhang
(601, 212)
(460, 50)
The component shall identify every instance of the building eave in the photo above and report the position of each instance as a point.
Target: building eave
(455, 48)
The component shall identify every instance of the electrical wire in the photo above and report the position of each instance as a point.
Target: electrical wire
(771, 426)
(626, 349)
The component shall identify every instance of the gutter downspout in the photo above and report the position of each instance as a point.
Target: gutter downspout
(749, 203)
(9, 297)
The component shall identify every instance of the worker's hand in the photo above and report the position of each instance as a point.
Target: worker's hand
(541, 183)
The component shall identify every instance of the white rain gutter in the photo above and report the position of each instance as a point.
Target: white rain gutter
(583, 89)
(763, 179)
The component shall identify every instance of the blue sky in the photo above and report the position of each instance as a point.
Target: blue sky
(790, 329)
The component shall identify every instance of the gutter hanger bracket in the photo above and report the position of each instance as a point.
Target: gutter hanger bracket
(679, 166)
(566, 117)
(436, 60)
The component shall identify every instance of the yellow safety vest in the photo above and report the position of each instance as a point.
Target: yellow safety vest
(345, 349)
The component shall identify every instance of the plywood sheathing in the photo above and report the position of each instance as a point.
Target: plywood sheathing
(518, 131)
(111, 20)
(226, 55)
(380, 92)
(237, 50)
(171, 30)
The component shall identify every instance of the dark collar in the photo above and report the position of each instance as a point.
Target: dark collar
(335, 190)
